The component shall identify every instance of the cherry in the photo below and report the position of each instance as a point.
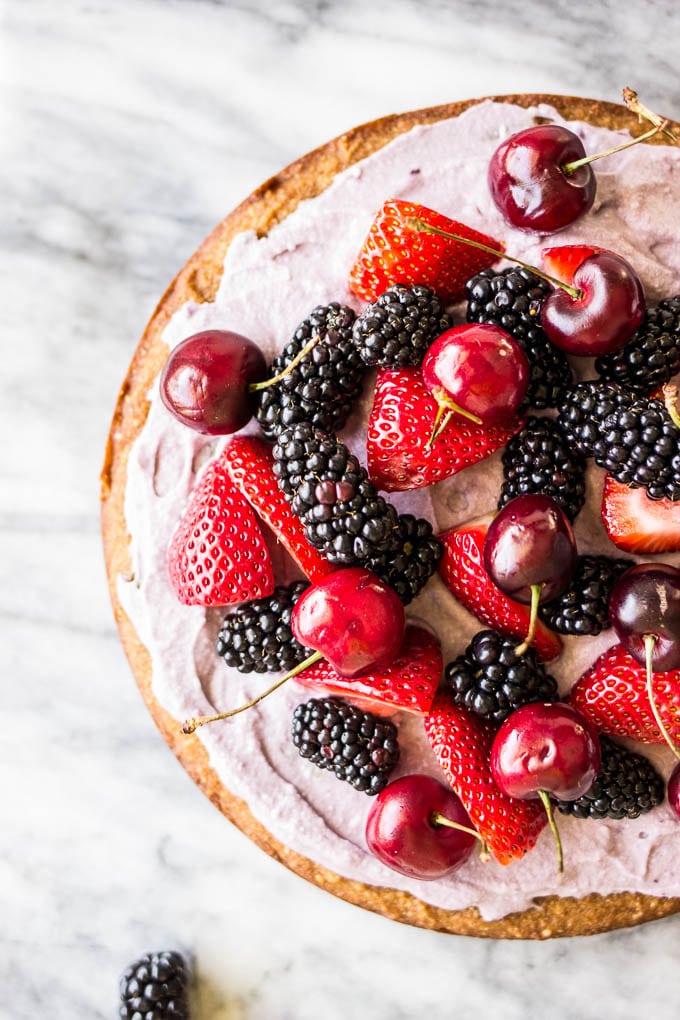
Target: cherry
(673, 790)
(546, 749)
(478, 371)
(205, 381)
(353, 618)
(419, 827)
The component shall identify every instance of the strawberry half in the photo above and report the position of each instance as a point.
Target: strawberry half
(400, 425)
(409, 683)
(463, 572)
(562, 261)
(217, 554)
(613, 694)
(462, 741)
(638, 524)
(394, 252)
(249, 462)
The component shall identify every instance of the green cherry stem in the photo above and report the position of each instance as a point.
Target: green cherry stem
(650, 641)
(191, 725)
(310, 345)
(446, 407)
(569, 168)
(438, 819)
(545, 800)
(536, 590)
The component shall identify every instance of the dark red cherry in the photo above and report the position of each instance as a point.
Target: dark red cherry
(529, 184)
(353, 618)
(645, 601)
(609, 309)
(403, 832)
(205, 381)
(673, 790)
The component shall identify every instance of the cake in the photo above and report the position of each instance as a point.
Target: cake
(286, 249)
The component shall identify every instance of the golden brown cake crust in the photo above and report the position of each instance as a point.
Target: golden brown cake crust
(197, 281)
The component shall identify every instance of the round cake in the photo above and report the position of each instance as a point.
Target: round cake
(287, 249)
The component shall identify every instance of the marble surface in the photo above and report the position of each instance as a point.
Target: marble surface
(127, 130)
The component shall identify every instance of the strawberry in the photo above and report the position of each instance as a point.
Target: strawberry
(249, 463)
(400, 425)
(613, 694)
(462, 570)
(409, 683)
(217, 554)
(638, 524)
(394, 252)
(461, 741)
(562, 261)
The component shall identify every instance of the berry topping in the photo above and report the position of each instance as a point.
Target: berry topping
(584, 409)
(256, 637)
(355, 746)
(640, 446)
(411, 559)
(583, 607)
(626, 786)
(395, 330)
(644, 607)
(651, 357)
(155, 987)
(638, 524)
(539, 460)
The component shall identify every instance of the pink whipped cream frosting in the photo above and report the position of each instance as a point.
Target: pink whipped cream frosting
(269, 285)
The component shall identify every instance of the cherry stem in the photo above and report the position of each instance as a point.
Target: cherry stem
(670, 398)
(569, 168)
(310, 345)
(650, 641)
(631, 100)
(445, 409)
(437, 819)
(545, 800)
(415, 223)
(192, 724)
(536, 590)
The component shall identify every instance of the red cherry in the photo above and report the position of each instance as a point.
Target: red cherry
(353, 619)
(403, 832)
(645, 603)
(205, 381)
(673, 790)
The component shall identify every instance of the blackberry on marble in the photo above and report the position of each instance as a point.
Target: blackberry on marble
(652, 355)
(512, 298)
(411, 559)
(395, 330)
(256, 636)
(324, 386)
(584, 409)
(327, 488)
(626, 786)
(640, 446)
(583, 608)
(155, 987)
(356, 746)
(538, 459)
(491, 679)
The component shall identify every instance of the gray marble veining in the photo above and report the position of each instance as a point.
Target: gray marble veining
(128, 130)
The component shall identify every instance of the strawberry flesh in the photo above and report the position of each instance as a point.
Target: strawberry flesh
(638, 524)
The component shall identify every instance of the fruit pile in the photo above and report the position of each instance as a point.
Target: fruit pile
(445, 397)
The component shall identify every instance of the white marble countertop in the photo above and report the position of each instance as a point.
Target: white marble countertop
(128, 130)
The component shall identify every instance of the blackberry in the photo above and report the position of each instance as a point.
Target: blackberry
(492, 680)
(356, 746)
(640, 446)
(512, 298)
(538, 459)
(411, 559)
(626, 786)
(583, 607)
(323, 387)
(155, 987)
(330, 492)
(396, 330)
(584, 409)
(652, 355)
(256, 637)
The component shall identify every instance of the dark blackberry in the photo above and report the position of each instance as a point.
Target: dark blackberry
(512, 298)
(330, 492)
(626, 786)
(583, 607)
(411, 559)
(584, 409)
(324, 386)
(256, 637)
(492, 680)
(155, 987)
(356, 746)
(652, 355)
(396, 330)
(538, 459)
(640, 446)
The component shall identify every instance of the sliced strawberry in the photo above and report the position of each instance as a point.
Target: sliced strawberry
(249, 462)
(409, 683)
(638, 524)
(394, 252)
(462, 570)
(462, 741)
(563, 260)
(613, 694)
(217, 554)
(400, 424)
